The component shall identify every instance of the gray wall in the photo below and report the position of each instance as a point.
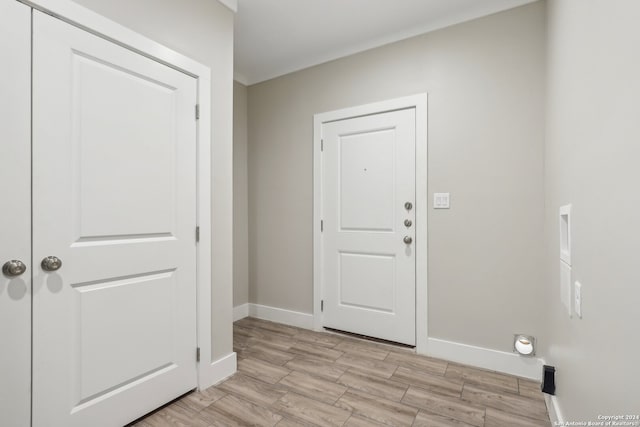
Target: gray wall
(240, 197)
(202, 30)
(592, 155)
(485, 80)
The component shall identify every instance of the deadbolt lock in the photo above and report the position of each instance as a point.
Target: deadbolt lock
(407, 223)
(408, 206)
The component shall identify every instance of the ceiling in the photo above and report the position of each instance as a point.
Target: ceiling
(276, 37)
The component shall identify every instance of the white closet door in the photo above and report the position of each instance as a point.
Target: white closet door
(114, 185)
(369, 225)
(15, 212)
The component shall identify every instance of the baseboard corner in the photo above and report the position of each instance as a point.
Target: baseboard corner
(240, 311)
(280, 315)
(218, 371)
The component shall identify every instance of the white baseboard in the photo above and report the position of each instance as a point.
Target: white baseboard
(218, 371)
(494, 360)
(240, 312)
(288, 317)
(553, 408)
(500, 361)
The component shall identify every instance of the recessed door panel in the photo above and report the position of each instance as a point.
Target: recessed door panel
(112, 135)
(15, 208)
(367, 180)
(114, 152)
(108, 321)
(368, 249)
(367, 281)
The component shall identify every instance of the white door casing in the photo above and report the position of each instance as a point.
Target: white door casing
(114, 197)
(15, 213)
(368, 162)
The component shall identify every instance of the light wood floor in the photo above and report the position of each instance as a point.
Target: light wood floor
(295, 377)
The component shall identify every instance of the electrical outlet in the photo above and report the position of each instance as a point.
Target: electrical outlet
(577, 303)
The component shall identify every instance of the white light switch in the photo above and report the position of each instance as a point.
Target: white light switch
(577, 304)
(441, 200)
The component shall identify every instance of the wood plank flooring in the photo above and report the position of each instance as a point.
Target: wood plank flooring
(295, 377)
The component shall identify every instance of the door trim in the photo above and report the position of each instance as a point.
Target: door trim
(419, 103)
(209, 371)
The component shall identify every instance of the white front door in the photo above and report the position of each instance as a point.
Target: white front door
(114, 181)
(368, 213)
(15, 214)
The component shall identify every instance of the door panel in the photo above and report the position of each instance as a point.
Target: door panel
(369, 271)
(114, 151)
(15, 211)
(367, 181)
(101, 330)
(359, 274)
(113, 136)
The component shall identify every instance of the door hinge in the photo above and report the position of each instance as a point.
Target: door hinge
(197, 233)
(321, 225)
(198, 354)
(321, 305)
(197, 111)
(322, 145)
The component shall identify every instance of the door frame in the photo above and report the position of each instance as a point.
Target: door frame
(208, 371)
(419, 103)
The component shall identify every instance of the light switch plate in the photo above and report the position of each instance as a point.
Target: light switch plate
(577, 304)
(441, 200)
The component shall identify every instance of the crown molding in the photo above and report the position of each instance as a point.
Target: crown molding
(231, 4)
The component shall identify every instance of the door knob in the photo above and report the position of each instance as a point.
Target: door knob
(407, 223)
(407, 240)
(13, 268)
(51, 263)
